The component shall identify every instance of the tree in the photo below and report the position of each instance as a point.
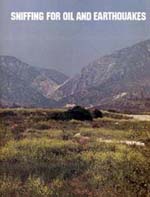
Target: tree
(97, 114)
(79, 113)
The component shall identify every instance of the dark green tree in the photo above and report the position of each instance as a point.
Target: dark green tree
(97, 114)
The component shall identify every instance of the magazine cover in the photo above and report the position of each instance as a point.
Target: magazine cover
(74, 98)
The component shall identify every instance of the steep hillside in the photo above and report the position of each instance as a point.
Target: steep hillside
(113, 81)
(24, 85)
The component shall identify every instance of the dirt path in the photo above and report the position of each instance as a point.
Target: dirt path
(127, 142)
(141, 117)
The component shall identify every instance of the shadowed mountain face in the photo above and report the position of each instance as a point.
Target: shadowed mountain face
(119, 80)
(24, 85)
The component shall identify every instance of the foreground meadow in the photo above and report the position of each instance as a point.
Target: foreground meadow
(40, 157)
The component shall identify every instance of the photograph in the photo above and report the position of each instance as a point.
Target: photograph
(74, 98)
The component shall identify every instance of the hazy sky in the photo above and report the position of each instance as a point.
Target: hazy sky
(68, 46)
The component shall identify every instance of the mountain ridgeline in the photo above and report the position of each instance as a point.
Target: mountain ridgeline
(119, 81)
(28, 86)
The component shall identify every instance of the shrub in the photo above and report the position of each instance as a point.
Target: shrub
(8, 113)
(35, 187)
(42, 126)
(77, 113)
(61, 116)
(97, 114)
(5, 135)
(10, 186)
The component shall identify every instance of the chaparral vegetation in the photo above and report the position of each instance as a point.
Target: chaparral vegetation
(43, 155)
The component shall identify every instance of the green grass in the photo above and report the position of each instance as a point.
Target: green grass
(41, 157)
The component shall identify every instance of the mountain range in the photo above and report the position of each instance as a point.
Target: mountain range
(119, 81)
(25, 85)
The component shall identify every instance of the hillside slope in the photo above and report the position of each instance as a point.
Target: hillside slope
(24, 85)
(119, 80)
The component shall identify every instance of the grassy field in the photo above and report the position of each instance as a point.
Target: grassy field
(40, 157)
